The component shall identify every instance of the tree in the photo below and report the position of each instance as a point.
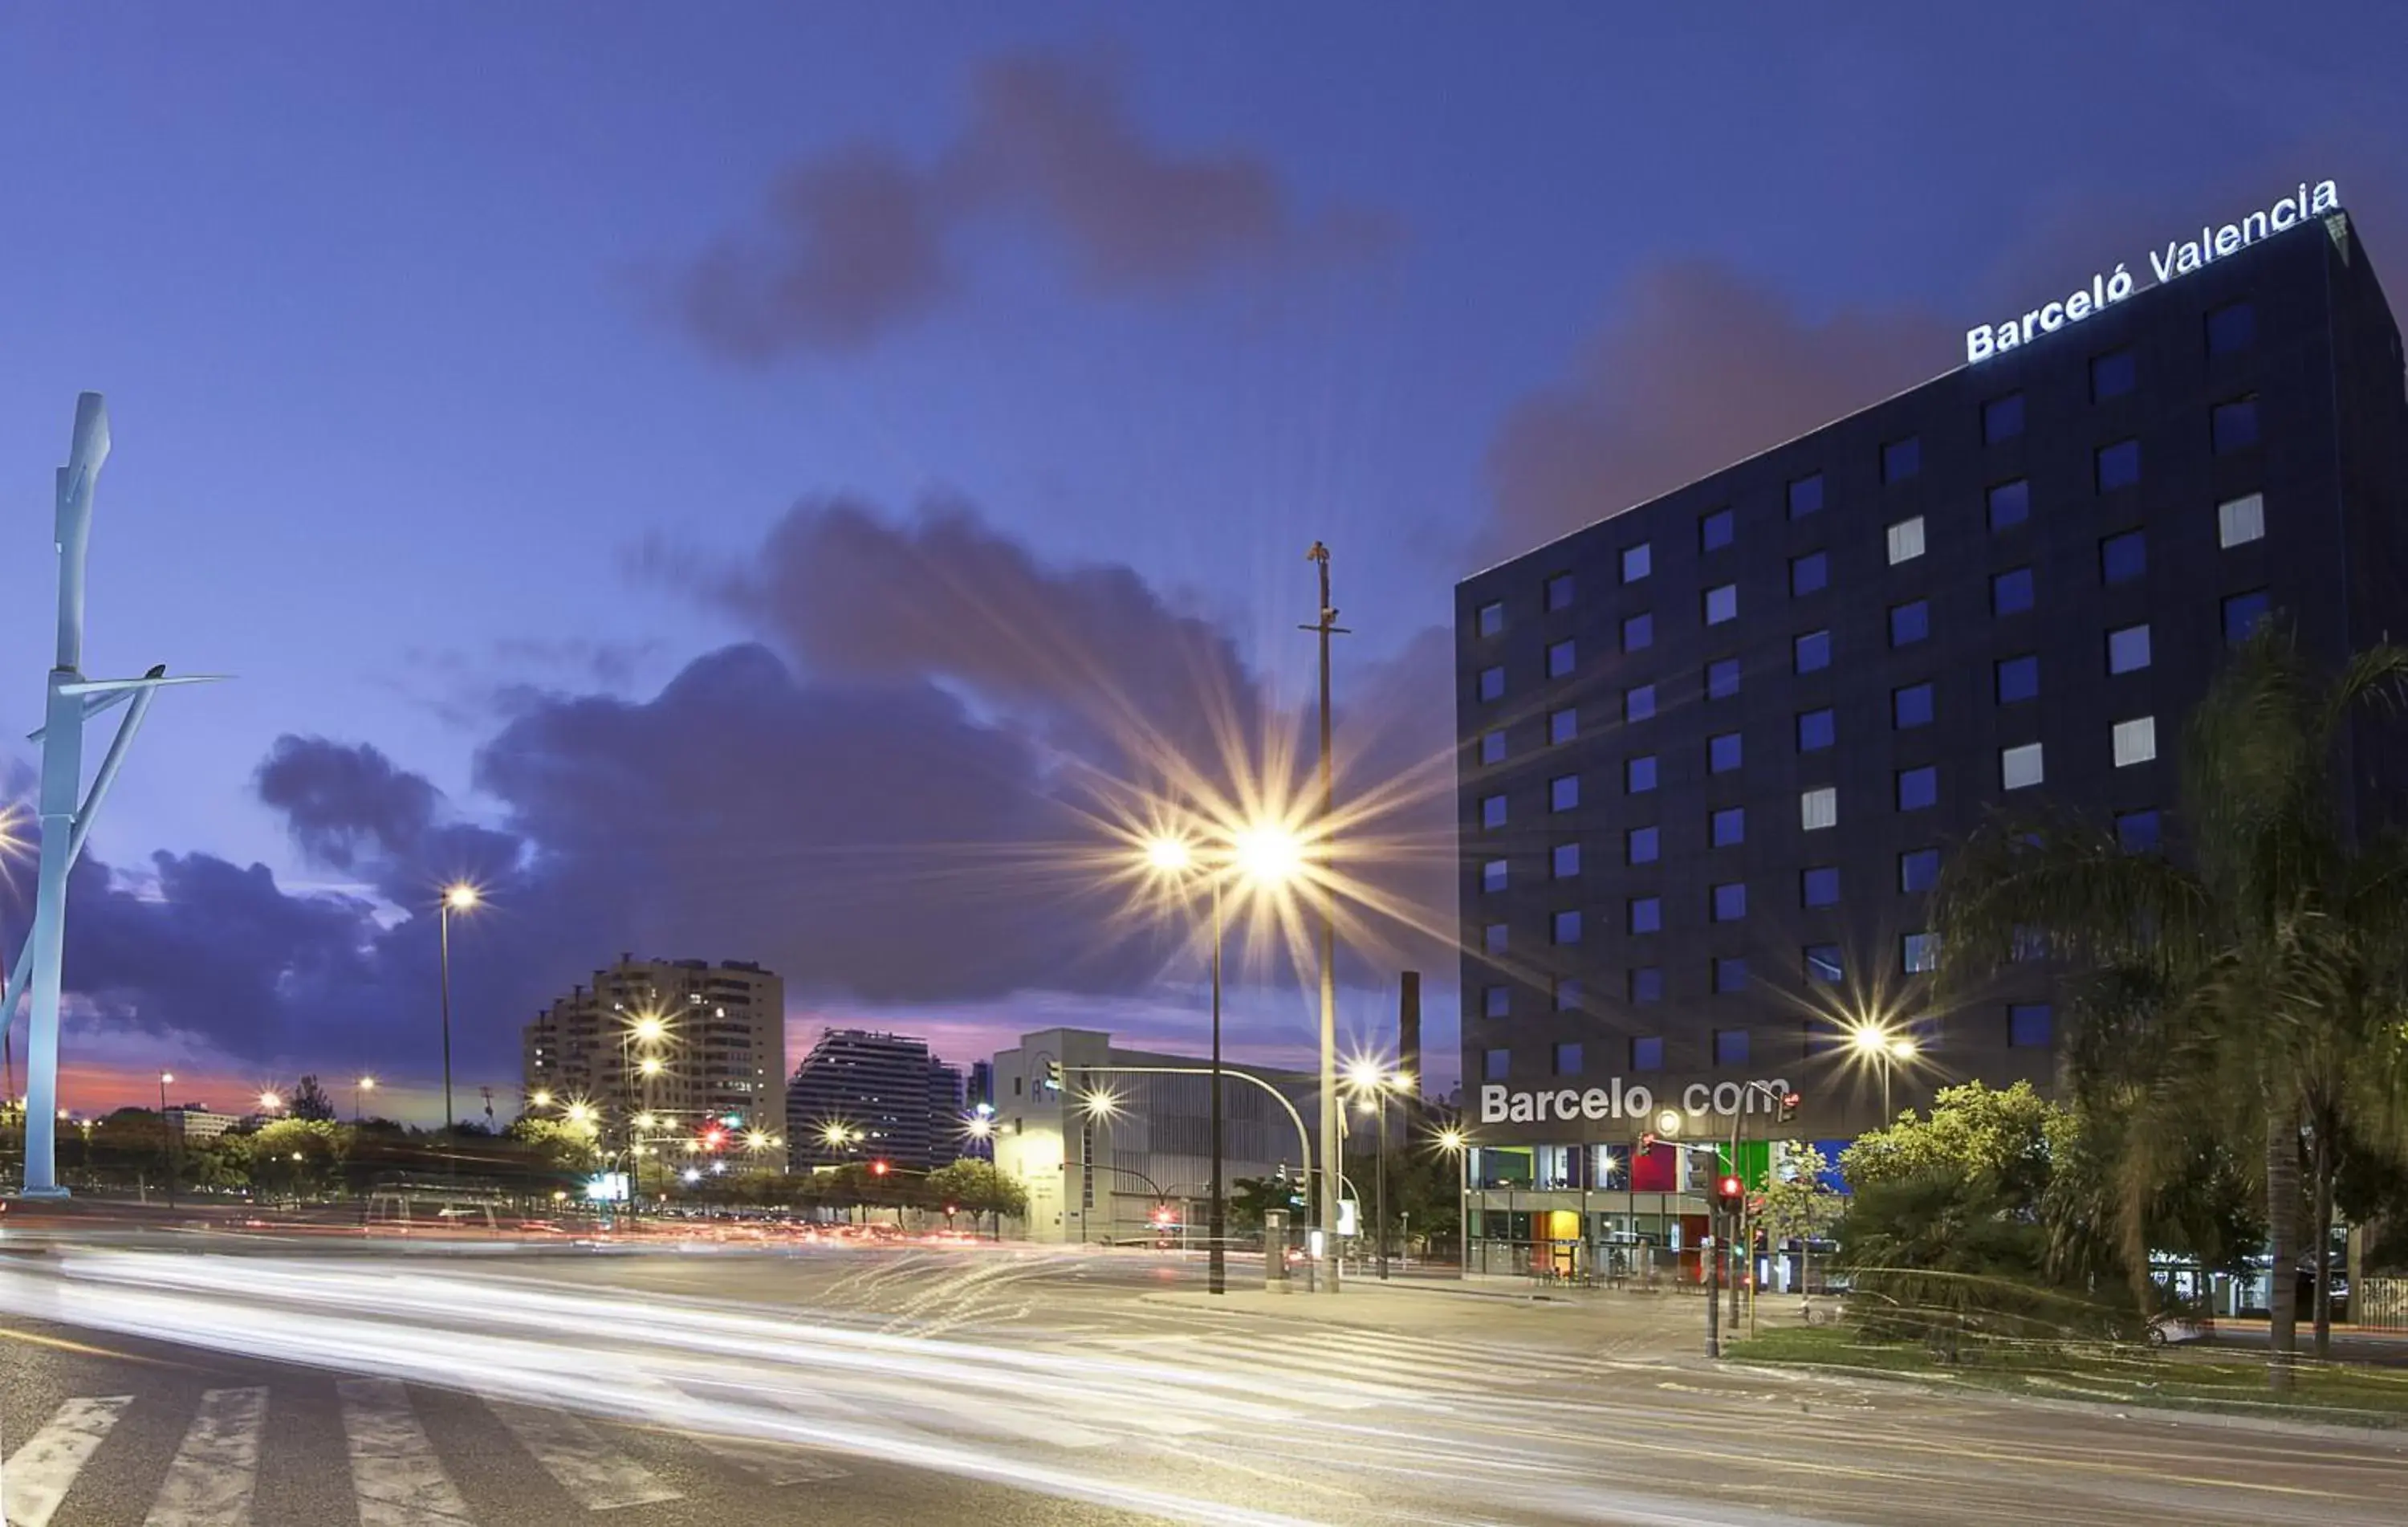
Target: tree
(309, 1101)
(1800, 1206)
(2252, 970)
(298, 1157)
(977, 1187)
(1250, 1198)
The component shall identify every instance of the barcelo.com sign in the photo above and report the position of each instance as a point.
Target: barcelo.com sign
(1618, 1100)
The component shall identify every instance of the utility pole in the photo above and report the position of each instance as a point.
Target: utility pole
(1332, 1164)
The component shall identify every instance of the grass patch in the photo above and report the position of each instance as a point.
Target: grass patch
(2204, 1377)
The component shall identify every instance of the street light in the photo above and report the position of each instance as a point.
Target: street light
(459, 897)
(175, 1140)
(1454, 1142)
(1371, 1082)
(365, 1084)
(269, 1103)
(1886, 1048)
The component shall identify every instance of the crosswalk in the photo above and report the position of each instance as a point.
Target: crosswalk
(398, 1473)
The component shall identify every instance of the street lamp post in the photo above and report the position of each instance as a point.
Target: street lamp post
(175, 1140)
(458, 898)
(1371, 1084)
(365, 1084)
(1458, 1145)
(1886, 1048)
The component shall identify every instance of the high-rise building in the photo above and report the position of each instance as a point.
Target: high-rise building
(1716, 747)
(682, 1041)
(863, 1096)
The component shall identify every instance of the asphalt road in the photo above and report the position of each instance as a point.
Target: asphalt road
(845, 1384)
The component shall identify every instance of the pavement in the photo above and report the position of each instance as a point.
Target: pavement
(857, 1385)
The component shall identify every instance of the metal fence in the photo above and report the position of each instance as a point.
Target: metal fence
(2380, 1303)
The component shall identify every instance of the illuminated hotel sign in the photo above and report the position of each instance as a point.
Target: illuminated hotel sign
(2179, 258)
(1501, 1106)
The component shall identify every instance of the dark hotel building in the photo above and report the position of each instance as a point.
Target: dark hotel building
(1716, 746)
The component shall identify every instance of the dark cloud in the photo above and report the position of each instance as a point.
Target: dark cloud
(859, 243)
(339, 801)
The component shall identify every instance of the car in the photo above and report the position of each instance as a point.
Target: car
(2169, 1328)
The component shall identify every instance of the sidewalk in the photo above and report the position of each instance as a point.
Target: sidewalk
(1636, 1325)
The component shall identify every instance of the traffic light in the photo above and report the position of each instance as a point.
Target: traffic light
(1789, 1109)
(713, 1138)
(1730, 1190)
(1646, 1141)
(878, 1169)
(1162, 1213)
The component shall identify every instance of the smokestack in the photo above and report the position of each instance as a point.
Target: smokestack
(1409, 1029)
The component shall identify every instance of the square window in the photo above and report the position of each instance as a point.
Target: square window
(1492, 683)
(1639, 632)
(1495, 1064)
(1910, 622)
(1567, 995)
(2245, 613)
(2020, 767)
(2112, 375)
(1911, 706)
(1646, 1050)
(1918, 869)
(1638, 562)
(1646, 914)
(1639, 703)
(1805, 495)
(1492, 747)
(2123, 557)
(1492, 939)
(1722, 603)
(1559, 660)
(1638, 775)
(2136, 831)
(2231, 327)
(2118, 466)
(1906, 541)
(1495, 1001)
(2126, 649)
(1563, 726)
(1901, 459)
(1647, 986)
(1816, 730)
(2135, 740)
(1823, 963)
(1818, 886)
(1563, 793)
(1566, 928)
(1730, 974)
(1643, 846)
(2233, 427)
(1559, 591)
(2011, 592)
(2010, 503)
(1722, 678)
(1567, 1059)
(1810, 574)
(2240, 520)
(1918, 790)
(2030, 1026)
(1492, 876)
(1715, 530)
(2019, 678)
(2002, 418)
(1811, 651)
(1492, 812)
(1818, 808)
(1722, 753)
(1564, 863)
(1731, 1046)
(1492, 617)
(1728, 825)
(1919, 952)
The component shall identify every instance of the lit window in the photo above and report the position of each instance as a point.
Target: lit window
(1566, 998)
(1639, 774)
(1809, 574)
(1643, 846)
(1647, 986)
(1495, 1064)
(1567, 1059)
(1715, 530)
(2137, 831)
(1492, 747)
(1495, 1001)
(2233, 427)
(1918, 790)
(1646, 914)
(1638, 632)
(1492, 812)
(2112, 375)
(2020, 767)
(1816, 730)
(1818, 808)
(1559, 660)
(2011, 592)
(2135, 740)
(1919, 952)
(2123, 557)
(2030, 1026)
(1492, 876)
(2243, 612)
(1492, 618)
(1492, 683)
(1722, 678)
(1565, 861)
(1911, 706)
(2010, 504)
(1636, 562)
(1722, 753)
(2231, 327)
(2239, 520)
(1730, 901)
(1823, 964)
(1728, 825)
(1563, 793)
(1492, 939)
(2002, 418)
(1639, 703)
(1566, 928)
(1901, 459)
(1805, 495)
(1563, 726)
(1731, 1045)
(1811, 651)
(1722, 603)
(1818, 886)
(1918, 869)
(1647, 1050)
(2118, 466)
(2127, 649)
(1910, 622)
(1559, 591)
(1906, 541)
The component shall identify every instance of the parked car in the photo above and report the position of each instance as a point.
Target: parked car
(2173, 1329)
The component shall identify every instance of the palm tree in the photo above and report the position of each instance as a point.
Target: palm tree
(2250, 971)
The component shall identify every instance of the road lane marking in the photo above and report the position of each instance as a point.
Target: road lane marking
(217, 1469)
(395, 1473)
(86, 1349)
(36, 1475)
(596, 1474)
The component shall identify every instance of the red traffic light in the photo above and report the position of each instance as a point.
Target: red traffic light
(713, 1139)
(1646, 1141)
(1162, 1215)
(1729, 1189)
(878, 1169)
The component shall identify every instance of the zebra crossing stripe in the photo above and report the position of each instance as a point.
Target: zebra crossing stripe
(395, 1473)
(771, 1463)
(596, 1474)
(217, 1469)
(36, 1475)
